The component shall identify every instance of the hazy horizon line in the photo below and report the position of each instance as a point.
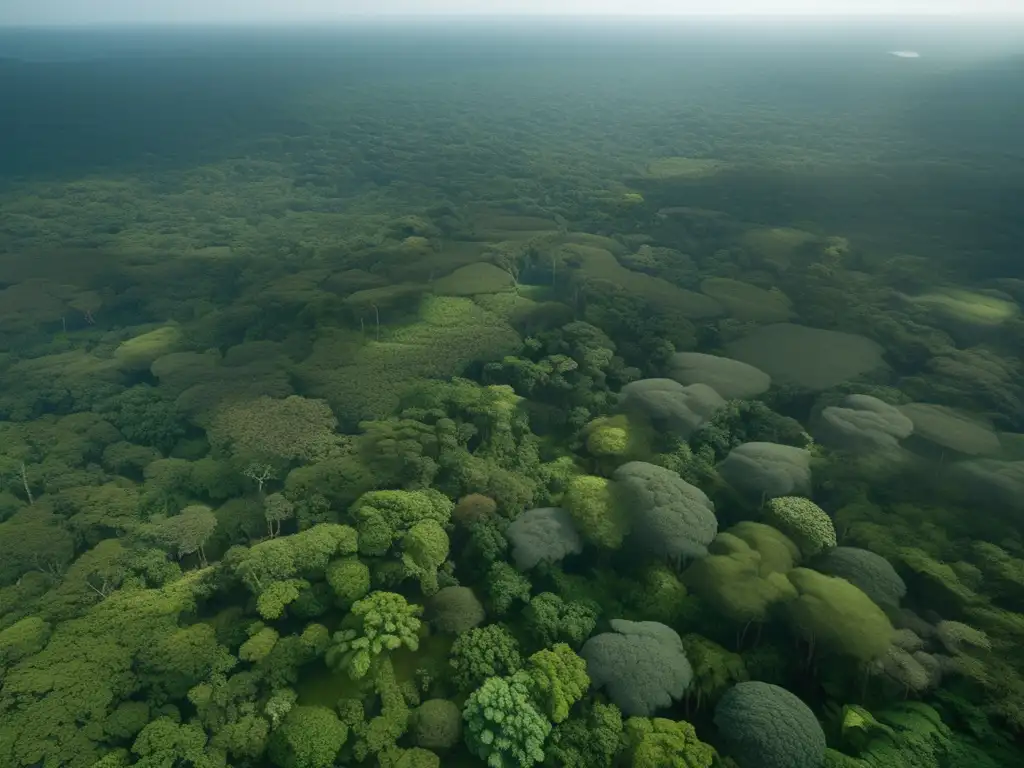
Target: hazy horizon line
(393, 17)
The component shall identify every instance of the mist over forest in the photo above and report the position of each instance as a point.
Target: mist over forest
(586, 394)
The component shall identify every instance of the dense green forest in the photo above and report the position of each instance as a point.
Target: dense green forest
(585, 402)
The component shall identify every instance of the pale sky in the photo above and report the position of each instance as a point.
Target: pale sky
(61, 12)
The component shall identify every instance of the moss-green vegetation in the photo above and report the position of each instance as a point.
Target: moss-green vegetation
(682, 168)
(744, 301)
(398, 412)
(969, 307)
(591, 264)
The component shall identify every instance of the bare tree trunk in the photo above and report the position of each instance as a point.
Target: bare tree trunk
(54, 570)
(24, 481)
(103, 591)
(743, 633)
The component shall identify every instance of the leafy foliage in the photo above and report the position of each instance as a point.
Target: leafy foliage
(436, 724)
(556, 679)
(484, 652)
(641, 664)
(551, 619)
(456, 610)
(434, 345)
(502, 726)
(766, 725)
(595, 511)
(670, 517)
(309, 737)
(381, 622)
(804, 522)
(835, 616)
(591, 739)
(660, 742)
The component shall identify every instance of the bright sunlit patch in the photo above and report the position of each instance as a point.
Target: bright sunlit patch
(905, 54)
(968, 306)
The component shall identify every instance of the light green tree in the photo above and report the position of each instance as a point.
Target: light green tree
(598, 518)
(277, 509)
(557, 679)
(661, 743)
(382, 622)
(188, 531)
(503, 727)
(424, 550)
(309, 737)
